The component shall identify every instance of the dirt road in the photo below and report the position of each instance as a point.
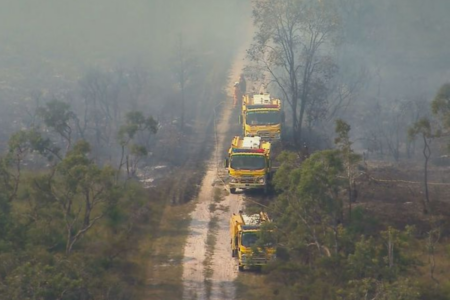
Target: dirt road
(208, 268)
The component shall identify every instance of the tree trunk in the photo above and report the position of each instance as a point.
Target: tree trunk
(122, 154)
(426, 154)
(128, 165)
(300, 121)
(69, 240)
(87, 211)
(182, 106)
(294, 124)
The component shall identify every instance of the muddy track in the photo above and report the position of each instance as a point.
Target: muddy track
(209, 270)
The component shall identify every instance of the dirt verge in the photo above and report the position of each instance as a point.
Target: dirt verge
(213, 280)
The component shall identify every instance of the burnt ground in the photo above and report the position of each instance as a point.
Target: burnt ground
(391, 195)
(394, 195)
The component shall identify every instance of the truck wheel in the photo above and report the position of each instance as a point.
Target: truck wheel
(241, 268)
(233, 190)
(233, 254)
(265, 189)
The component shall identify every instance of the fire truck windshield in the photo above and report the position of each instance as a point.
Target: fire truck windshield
(249, 239)
(247, 162)
(263, 117)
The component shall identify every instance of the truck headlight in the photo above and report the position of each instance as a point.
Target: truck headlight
(261, 180)
(244, 257)
(233, 180)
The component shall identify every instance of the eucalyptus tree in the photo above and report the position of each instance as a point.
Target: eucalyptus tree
(290, 45)
(423, 129)
(350, 160)
(183, 66)
(58, 116)
(135, 124)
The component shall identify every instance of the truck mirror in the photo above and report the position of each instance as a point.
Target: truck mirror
(226, 162)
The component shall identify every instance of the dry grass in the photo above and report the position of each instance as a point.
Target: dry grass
(164, 249)
(251, 286)
(165, 254)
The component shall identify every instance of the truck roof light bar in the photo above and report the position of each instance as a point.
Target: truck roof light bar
(262, 106)
(237, 150)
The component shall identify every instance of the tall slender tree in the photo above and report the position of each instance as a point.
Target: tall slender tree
(289, 44)
(423, 129)
(183, 67)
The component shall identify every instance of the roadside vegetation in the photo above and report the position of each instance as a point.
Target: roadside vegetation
(78, 226)
(343, 234)
(69, 232)
(347, 229)
(102, 140)
(361, 206)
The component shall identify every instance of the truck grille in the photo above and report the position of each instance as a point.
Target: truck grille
(261, 259)
(258, 260)
(247, 180)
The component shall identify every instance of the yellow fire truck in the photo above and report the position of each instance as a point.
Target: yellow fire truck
(248, 164)
(245, 232)
(262, 116)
